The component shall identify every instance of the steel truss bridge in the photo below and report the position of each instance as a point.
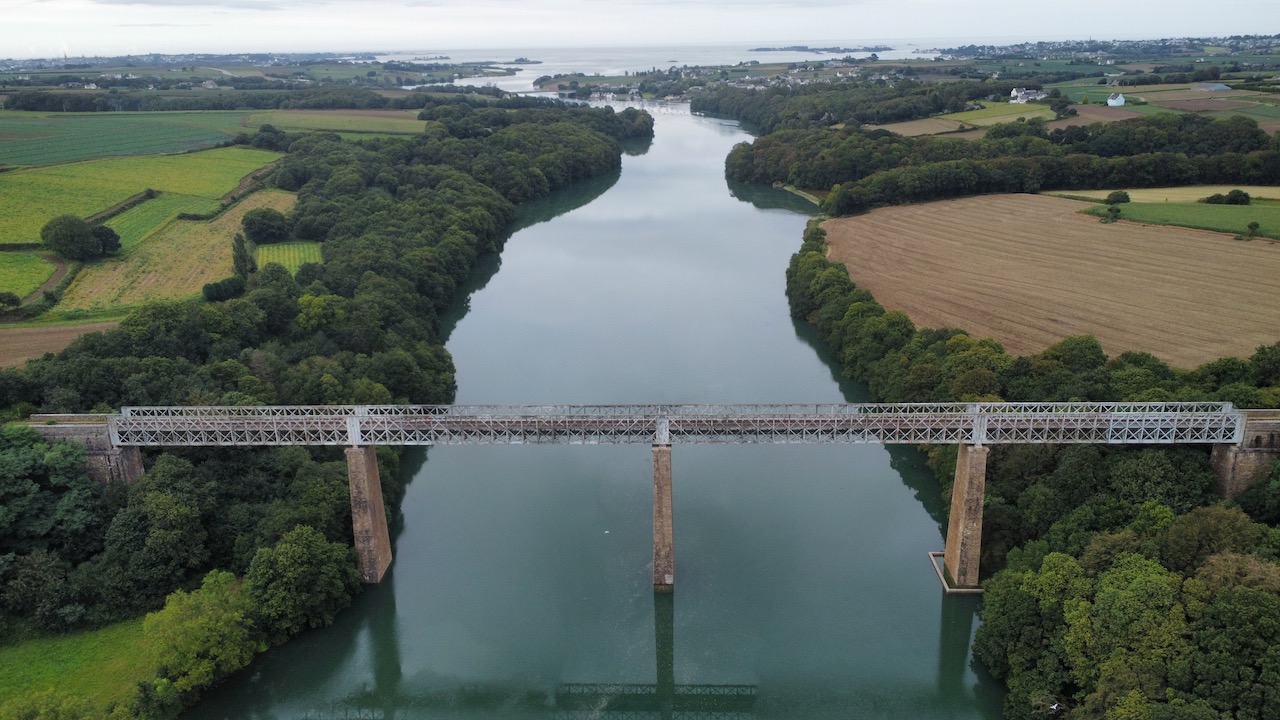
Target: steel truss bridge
(905, 423)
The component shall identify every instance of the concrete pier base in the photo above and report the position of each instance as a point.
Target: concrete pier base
(964, 533)
(664, 561)
(368, 516)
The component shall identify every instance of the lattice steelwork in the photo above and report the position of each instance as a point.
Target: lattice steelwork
(903, 423)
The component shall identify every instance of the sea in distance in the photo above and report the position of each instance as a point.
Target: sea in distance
(612, 60)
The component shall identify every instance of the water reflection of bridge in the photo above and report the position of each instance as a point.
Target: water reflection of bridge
(663, 699)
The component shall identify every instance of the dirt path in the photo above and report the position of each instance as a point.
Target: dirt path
(60, 268)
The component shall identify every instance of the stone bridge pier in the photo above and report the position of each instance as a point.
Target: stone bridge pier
(1241, 466)
(106, 463)
(368, 514)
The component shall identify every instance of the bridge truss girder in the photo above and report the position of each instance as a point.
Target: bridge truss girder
(905, 423)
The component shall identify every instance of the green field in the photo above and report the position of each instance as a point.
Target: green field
(50, 138)
(106, 665)
(22, 273)
(141, 220)
(291, 255)
(1221, 218)
(347, 121)
(994, 113)
(1185, 194)
(29, 198)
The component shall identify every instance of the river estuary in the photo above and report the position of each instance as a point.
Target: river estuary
(520, 587)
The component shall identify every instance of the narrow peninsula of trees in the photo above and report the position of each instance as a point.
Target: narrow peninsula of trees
(256, 543)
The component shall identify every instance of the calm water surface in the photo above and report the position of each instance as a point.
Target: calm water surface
(520, 586)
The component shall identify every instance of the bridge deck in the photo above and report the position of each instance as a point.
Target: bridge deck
(916, 424)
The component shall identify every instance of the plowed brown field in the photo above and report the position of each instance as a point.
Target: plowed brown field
(1030, 270)
(20, 344)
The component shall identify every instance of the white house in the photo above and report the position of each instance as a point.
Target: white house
(1115, 100)
(1020, 96)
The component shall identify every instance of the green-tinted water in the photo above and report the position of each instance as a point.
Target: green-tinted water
(520, 586)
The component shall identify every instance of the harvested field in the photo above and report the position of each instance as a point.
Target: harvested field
(381, 121)
(1170, 95)
(171, 264)
(1030, 270)
(1090, 114)
(1206, 105)
(20, 344)
(928, 126)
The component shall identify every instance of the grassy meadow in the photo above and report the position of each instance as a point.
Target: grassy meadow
(1202, 216)
(1000, 113)
(172, 263)
(290, 255)
(30, 198)
(37, 139)
(22, 273)
(1187, 194)
(107, 665)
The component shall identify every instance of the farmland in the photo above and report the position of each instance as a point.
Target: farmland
(1030, 270)
(1189, 193)
(171, 264)
(1000, 113)
(22, 273)
(402, 122)
(33, 139)
(20, 343)
(928, 126)
(137, 222)
(290, 255)
(32, 197)
(1221, 218)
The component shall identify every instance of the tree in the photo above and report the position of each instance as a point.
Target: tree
(1237, 197)
(71, 237)
(9, 302)
(203, 636)
(302, 582)
(1253, 229)
(1117, 197)
(108, 239)
(242, 257)
(265, 225)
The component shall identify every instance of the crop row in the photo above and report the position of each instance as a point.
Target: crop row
(35, 141)
(291, 255)
(136, 223)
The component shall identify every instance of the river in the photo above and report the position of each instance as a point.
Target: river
(520, 586)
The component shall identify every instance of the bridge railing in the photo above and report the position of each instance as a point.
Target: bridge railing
(901, 423)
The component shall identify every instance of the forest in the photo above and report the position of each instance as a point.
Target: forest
(250, 548)
(868, 169)
(1117, 584)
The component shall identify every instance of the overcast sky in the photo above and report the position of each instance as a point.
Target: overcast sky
(50, 28)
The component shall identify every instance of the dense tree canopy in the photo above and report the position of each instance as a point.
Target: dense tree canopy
(403, 222)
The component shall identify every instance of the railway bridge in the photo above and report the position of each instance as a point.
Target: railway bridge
(1244, 443)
